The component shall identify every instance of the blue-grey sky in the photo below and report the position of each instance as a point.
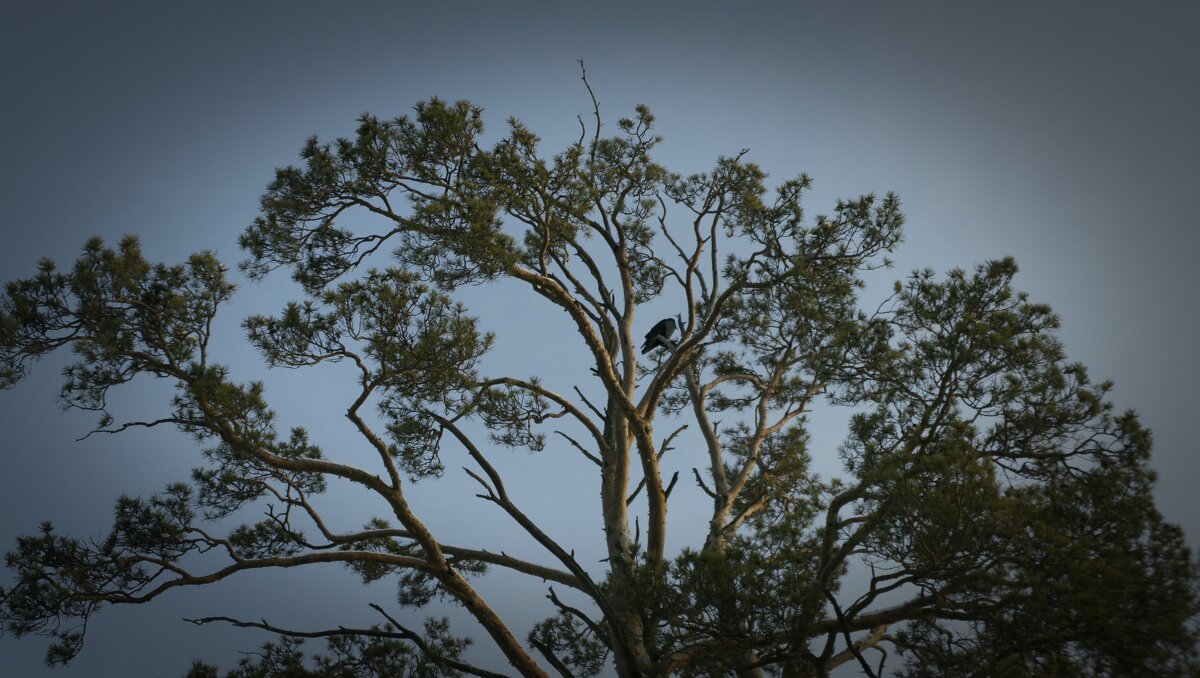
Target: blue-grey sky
(1063, 134)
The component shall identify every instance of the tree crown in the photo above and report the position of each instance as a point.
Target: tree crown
(989, 485)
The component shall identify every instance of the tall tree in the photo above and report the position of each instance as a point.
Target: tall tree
(1001, 508)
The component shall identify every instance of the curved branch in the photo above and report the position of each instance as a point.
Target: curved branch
(851, 646)
(500, 496)
(555, 397)
(402, 633)
(440, 569)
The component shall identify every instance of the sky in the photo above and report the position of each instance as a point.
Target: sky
(1062, 134)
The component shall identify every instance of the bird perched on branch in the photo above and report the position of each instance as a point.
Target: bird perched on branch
(660, 335)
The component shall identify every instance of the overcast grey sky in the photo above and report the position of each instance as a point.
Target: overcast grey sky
(1063, 134)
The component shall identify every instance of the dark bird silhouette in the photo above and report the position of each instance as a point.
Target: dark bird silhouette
(660, 335)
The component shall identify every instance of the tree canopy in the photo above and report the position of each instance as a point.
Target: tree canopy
(999, 507)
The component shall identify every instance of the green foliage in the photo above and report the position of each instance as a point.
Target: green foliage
(120, 314)
(578, 645)
(1096, 585)
(347, 656)
(512, 415)
(411, 344)
(453, 238)
(234, 478)
(61, 581)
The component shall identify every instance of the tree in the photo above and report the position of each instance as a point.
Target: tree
(999, 505)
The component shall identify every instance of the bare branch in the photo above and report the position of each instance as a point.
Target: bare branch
(588, 403)
(567, 405)
(850, 644)
(550, 657)
(500, 496)
(662, 450)
(401, 633)
(700, 482)
(575, 443)
(141, 424)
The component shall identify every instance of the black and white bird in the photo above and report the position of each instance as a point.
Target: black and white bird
(660, 335)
